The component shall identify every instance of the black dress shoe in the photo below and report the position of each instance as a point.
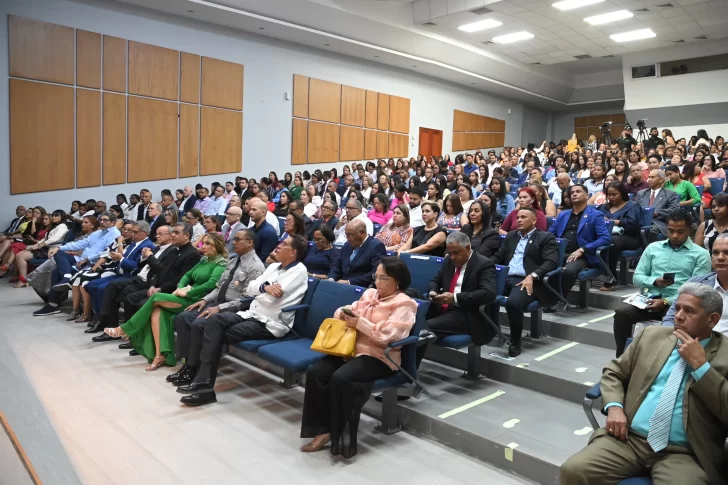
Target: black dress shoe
(514, 350)
(183, 370)
(133, 352)
(197, 387)
(199, 399)
(187, 375)
(126, 346)
(90, 324)
(95, 328)
(104, 338)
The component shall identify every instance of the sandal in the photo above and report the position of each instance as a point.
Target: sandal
(312, 448)
(75, 313)
(3, 270)
(85, 318)
(20, 284)
(156, 363)
(115, 332)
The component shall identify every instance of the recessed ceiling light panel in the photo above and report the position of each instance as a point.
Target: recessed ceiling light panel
(514, 37)
(572, 4)
(609, 17)
(634, 35)
(480, 25)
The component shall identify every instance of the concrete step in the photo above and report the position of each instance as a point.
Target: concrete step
(515, 429)
(604, 300)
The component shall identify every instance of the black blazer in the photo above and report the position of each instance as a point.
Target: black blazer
(478, 288)
(140, 211)
(156, 225)
(316, 223)
(359, 270)
(166, 272)
(541, 257)
(190, 204)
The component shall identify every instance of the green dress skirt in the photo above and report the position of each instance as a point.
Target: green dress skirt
(139, 328)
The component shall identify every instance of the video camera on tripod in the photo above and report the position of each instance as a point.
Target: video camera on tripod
(607, 133)
(642, 127)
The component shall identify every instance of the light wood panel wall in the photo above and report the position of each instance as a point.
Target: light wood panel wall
(41, 137)
(88, 138)
(350, 110)
(221, 147)
(585, 126)
(153, 94)
(88, 59)
(473, 131)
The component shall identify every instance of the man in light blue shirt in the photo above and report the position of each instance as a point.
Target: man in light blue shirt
(204, 202)
(665, 403)
(219, 203)
(68, 264)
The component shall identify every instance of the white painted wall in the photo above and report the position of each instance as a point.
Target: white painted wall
(269, 69)
(535, 126)
(688, 131)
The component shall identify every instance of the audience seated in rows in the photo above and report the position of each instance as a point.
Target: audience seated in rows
(483, 239)
(359, 257)
(353, 211)
(526, 198)
(321, 255)
(663, 202)
(428, 239)
(266, 237)
(397, 231)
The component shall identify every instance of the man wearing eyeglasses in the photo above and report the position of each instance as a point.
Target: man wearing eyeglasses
(353, 212)
(244, 266)
(231, 226)
(328, 217)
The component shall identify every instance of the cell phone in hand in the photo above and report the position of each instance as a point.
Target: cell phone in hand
(669, 277)
(432, 295)
(348, 311)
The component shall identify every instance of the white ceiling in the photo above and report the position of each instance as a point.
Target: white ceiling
(561, 36)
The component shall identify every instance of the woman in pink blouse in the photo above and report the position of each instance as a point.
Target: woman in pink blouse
(380, 212)
(336, 388)
(398, 231)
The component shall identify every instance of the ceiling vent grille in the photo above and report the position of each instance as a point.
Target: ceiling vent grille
(481, 11)
(681, 41)
(665, 5)
(700, 37)
(429, 24)
(642, 10)
(610, 55)
(535, 63)
(487, 42)
(583, 56)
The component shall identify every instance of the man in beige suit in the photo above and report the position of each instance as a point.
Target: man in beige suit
(666, 400)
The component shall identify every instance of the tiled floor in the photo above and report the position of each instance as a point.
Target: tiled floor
(88, 414)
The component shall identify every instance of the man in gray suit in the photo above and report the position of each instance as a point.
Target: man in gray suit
(231, 226)
(663, 201)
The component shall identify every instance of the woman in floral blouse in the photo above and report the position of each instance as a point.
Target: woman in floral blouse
(398, 231)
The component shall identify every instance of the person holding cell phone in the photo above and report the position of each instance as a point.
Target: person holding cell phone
(662, 269)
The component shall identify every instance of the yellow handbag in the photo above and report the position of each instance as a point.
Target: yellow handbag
(334, 337)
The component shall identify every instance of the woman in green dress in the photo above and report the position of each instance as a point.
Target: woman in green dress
(297, 187)
(151, 329)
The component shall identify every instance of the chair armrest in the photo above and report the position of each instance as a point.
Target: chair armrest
(247, 299)
(553, 273)
(595, 392)
(591, 395)
(405, 341)
(294, 308)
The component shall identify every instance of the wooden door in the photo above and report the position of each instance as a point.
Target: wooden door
(430, 142)
(436, 146)
(425, 142)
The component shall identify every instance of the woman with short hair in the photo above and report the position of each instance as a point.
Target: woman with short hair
(398, 231)
(320, 256)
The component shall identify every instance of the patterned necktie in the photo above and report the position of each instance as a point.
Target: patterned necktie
(652, 198)
(661, 419)
(224, 287)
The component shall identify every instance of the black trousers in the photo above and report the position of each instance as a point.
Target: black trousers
(336, 390)
(134, 301)
(621, 243)
(568, 275)
(518, 301)
(625, 317)
(222, 328)
(453, 321)
(114, 294)
(190, 328)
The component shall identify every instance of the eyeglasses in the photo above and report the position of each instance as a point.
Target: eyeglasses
(104, 219)
(382, 278)
(238, 239)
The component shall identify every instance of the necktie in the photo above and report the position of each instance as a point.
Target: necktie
(453, 283)
(227, 233)
(661, 419)
(353, 254)
(652, 198)
(223, 289)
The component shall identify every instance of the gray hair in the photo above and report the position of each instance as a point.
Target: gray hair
(660, 174)
(710, 299)
(356, 203)
(156, 206)
(459, 238)
(721, 236)
(143, 226)
(110, 215)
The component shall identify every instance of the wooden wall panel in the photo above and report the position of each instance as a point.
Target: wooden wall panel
(324, 101)
(152, 141)
(382, 144)
(88, 137)
(370, 144)
(189, 91)
(221, 149)
(598, 120)
(458, 121)
(582, 121)
(300, 96)
(618, 118)
(458, 142)
(481, 140)
(501, 127)
(351, 144)
(114, 64)
(581, 133)
(470, 122)
(88, 59)
(616, 132)
(500, 140)
(114, 133)
(153, 71)
(222, 84)
(488, 140)
(299, 144)
(399, 114)
(479, 123)
(189, 140)
(41, 137)
(383, 112)
(490, 125)
(39, 50)
(353, 107)
(372, 103)
(323, 142)
(398, 145)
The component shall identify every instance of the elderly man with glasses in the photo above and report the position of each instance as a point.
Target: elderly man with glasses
(353, 212)
(231, 226)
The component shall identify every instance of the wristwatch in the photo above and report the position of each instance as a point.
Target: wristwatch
(534, 275)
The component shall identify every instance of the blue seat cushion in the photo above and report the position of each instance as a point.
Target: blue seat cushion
(455, 341)
(632, 253)
(36, 261)
(396, 380)
(589, 274)
(255, 345)
(636, 481)
(294, 355)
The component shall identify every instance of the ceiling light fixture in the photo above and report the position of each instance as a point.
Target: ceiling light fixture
(609, 17)
(480, 25)
(514, 37)
(634, 35)
(572, 4)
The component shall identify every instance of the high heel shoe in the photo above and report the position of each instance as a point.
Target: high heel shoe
(75, 313)
(115, 332)
(311, 448)
(85, 318)
(22, 282)
(156, 363)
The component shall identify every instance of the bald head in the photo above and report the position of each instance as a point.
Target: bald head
(258, 210)
(356, 233)
(563, 180)
(233, 214)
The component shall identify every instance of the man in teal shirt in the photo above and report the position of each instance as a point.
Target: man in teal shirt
(677, 255)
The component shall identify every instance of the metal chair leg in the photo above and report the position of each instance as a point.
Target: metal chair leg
(389, 424)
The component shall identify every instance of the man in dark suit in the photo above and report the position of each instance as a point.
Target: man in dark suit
(188, 202)
(156, 219)
(465, 281)
(585, 229)
(19, 216)
(665, 401)
(146, 199)
(359, 257)
(663, 201)
(343, 189)
(529, 254)
(328, 209)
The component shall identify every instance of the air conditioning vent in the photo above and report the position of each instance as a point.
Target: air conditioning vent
(700, 37)
(583, 56)
(535, 63)
(488, 42)
(481, 11)
(681, 41)
(610, 55)
(429, 24)
(642, 10)
(665, 5)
